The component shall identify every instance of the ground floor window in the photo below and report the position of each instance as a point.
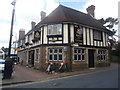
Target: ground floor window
(79, 54)
(55, 54)
(37, 55)
(102, 55)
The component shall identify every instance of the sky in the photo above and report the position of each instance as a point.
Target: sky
(29, 10)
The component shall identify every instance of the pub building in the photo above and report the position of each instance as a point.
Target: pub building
(65, 36)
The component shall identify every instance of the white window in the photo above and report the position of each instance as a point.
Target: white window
(30, 37)
(97, 35)
(55, 29)
(79, 54)
(26, 39)
(55, 54)
(102, 56)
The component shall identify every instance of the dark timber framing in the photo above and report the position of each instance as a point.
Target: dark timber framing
(69, 19)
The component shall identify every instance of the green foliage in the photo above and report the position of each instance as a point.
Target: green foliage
(102, 21)
(116, 53)
(109, 21)
(116, 59)
(117, 49)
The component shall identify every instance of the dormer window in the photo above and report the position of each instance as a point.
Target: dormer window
(55, 29)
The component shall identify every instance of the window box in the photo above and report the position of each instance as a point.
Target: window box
(27, 43)
(52, 36)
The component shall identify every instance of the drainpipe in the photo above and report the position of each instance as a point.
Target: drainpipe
(70, 57)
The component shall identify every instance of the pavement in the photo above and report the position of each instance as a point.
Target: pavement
(24, 74)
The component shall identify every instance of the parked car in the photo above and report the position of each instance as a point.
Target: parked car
(2, 65)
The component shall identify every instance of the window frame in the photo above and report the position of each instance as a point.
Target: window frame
(37, 54)
(53, 53)
(99, 37)
(81, 54)
(53, 30)
(102, 55)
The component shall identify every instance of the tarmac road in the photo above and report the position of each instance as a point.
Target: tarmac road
(102, 79)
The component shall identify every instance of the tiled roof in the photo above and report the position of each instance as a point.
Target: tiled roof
(65, 14)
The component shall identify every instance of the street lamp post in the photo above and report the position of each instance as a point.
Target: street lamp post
(8, 69)
(11, 30)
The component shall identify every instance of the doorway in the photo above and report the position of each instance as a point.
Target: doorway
(31, 58)
(91, 63)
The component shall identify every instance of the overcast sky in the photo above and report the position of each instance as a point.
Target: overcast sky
(29, 10)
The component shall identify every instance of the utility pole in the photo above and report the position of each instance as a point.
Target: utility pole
(11, 30)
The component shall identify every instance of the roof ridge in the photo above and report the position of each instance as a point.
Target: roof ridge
(63, 10)
(73, 9)
(79, 12)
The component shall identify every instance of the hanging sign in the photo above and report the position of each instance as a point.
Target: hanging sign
(37, 35)
(78, 35)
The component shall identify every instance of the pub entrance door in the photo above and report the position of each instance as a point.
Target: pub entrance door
(91, 63)
(31, 58)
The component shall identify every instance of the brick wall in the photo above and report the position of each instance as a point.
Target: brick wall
(22, 57)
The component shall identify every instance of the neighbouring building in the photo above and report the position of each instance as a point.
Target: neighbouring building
(66, 35)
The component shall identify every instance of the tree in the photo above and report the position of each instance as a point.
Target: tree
(109, 23)
(117, 48)
(116, 53)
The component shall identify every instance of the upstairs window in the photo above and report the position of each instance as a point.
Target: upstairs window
(30, 37)
(55, 29)
(97, 35)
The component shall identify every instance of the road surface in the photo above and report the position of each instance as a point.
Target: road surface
(102, 79)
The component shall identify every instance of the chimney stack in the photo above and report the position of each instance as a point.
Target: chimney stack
(90, 10)
(32, 24)
(21, 34)
(43, 15)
